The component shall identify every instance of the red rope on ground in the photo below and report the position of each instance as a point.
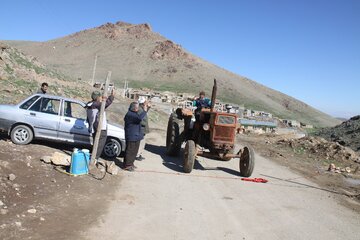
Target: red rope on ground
(188, 175)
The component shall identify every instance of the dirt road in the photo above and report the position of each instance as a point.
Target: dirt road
(160, 202)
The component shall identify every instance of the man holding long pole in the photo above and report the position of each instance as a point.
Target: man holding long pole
(93, 114)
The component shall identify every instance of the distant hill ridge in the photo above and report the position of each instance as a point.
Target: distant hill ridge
(146, 59)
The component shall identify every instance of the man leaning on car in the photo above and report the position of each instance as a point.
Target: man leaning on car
(44, 88)
(93, 115)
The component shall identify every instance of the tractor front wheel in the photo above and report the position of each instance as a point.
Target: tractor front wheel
(247, 162)
(189, 156)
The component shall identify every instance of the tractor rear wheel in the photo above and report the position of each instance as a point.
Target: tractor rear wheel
(189, 156)
(247, 162)
(173, 140)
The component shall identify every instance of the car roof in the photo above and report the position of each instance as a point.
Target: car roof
(54, 97)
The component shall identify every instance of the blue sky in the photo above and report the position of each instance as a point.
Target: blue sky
(308, 49)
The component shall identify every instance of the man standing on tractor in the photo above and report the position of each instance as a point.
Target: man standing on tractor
(201, 102)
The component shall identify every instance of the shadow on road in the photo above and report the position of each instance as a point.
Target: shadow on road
(173, 163)
(229, 171)
(4, 137)
(176, 163)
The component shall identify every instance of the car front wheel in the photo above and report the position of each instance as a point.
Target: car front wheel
(21, 134)
(112, 148)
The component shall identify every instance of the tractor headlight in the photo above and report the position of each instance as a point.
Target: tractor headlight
(206, 127)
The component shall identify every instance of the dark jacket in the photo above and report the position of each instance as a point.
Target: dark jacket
(144, 123)
(133, 126)
(41, 91)
(202, 103)
(92, 112)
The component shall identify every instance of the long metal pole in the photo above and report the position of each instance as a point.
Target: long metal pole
(125, 88)
(101, 117)
(213, 96)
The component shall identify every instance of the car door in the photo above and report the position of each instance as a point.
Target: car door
(44, 116)
(73, 125)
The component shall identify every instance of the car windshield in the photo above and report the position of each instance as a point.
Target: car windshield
(223, 119)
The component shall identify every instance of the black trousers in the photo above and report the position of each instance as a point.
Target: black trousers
(132, 148)
(102, 141)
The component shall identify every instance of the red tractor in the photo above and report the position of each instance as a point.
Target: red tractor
(211, 135)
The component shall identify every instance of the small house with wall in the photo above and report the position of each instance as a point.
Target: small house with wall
(291, 123)
(253, 125)
(136, 94)
(249, 113)
(156, 99)
(266, 115)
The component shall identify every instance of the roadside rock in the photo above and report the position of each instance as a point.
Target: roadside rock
(60, 159)
(332, 167)
(112, 168)
(4, 164)
(3, 211)
(46, 159)
(11, 177)
(32, 210)
(1, 203)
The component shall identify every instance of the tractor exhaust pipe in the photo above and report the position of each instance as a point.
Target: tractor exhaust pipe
(213, 96)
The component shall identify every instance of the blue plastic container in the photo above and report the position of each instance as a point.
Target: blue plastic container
(80, 162)
(87, 155)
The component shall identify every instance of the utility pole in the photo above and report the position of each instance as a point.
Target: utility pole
(101, 117)
(126, 85)
(94, 70)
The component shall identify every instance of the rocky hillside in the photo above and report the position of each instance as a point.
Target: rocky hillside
(346, 134)
(146, 59)
(21, 75)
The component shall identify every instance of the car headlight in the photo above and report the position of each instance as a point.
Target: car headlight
(206, 127)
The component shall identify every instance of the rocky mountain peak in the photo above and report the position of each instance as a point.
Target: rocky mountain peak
(116, 30)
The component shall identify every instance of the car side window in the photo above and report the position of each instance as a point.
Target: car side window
(74, 110)
(28, 103)
(47, 105)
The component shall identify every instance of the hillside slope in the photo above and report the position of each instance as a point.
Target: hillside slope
(21, 75)
(347, 133)
(144, 58)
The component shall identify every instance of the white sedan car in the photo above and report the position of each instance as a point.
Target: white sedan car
(55, 118)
